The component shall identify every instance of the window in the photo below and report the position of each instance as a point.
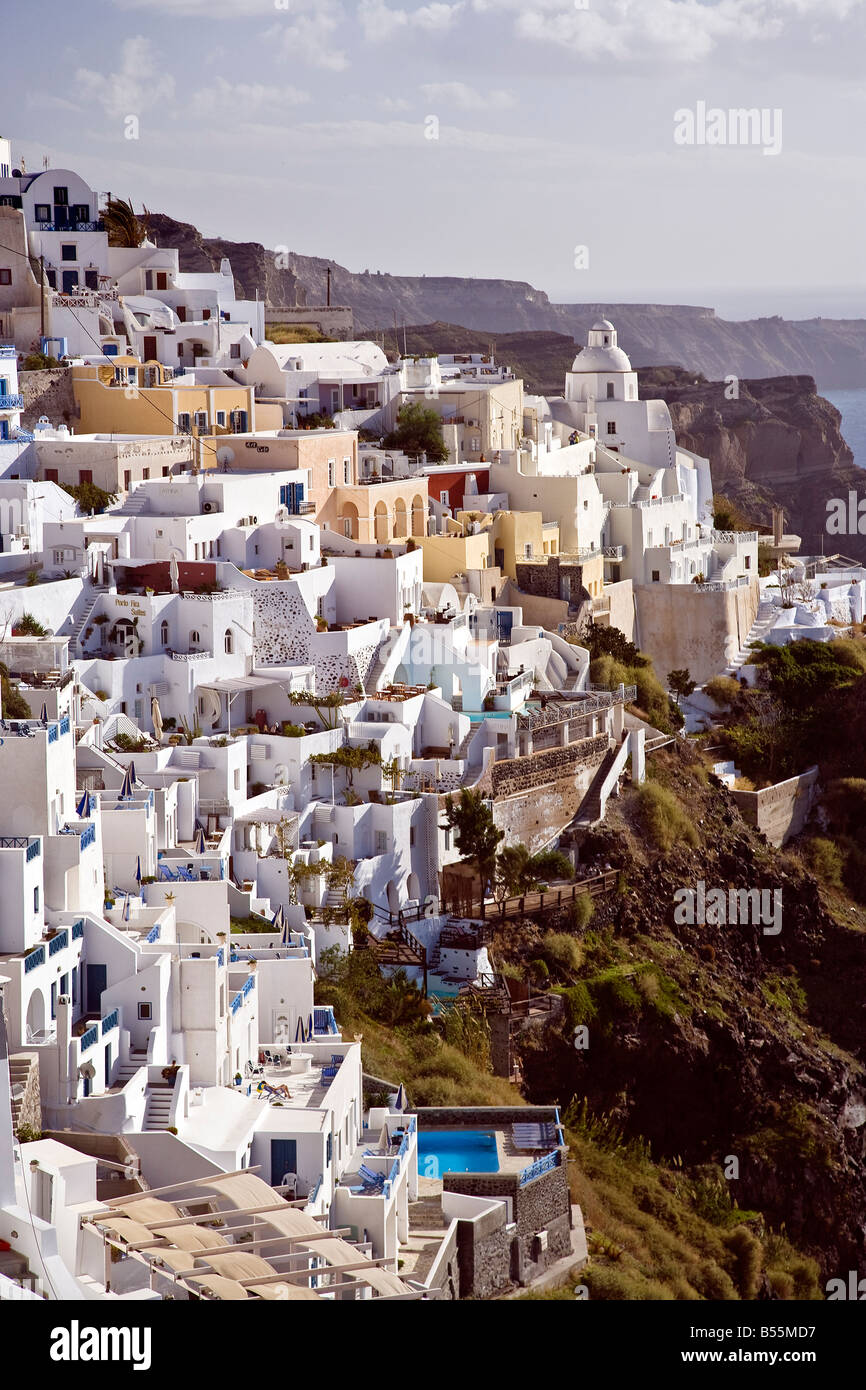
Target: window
(347, 528)
(61, 196)
(447, 839)
(51, 277)
(194, 637)
(145, 474)
(611, 426)
(332, 472)
(347, 471)
(36, 899)
(228, 641)
(144, 1011)
(381, 842)
(5, 276)
(161, 280)
(235, 350)
(85, 475)
(444, 498)
(221, 417)
(201, 419)
(163, 633)
(91, 279)
(42, 212)
(166, 471)
(411, 836)
(610, 390)
(68, 251)
(655, 576)
(148, 279)
(183, 422)
(748, 560)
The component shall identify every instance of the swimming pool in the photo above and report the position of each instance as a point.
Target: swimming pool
(456, 1151)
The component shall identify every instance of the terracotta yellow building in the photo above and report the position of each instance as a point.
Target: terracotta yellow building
(128, 397)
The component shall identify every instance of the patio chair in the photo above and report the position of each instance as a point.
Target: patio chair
(369, 1178)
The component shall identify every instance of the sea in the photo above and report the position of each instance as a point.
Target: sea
(851, 402)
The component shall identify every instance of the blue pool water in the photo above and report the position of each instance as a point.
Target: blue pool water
(456, 1151)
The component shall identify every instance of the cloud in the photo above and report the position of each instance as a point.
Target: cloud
(243, 99)
(678, 31)
(137, 83)
(379, 22)
(467, 98)
(204, 9)
(308, 37)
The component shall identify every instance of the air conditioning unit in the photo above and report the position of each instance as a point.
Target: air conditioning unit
(473, 424)
(209, 507)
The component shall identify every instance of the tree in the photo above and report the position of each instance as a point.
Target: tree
(122, 224)
(418, 431)
(681, 683)
(352, 760)
(477, 836)
(325, 706)
(89, 497)
(518, 871)
(609, 641)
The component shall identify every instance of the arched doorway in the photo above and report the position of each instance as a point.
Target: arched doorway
(35, 1015)
(419, 515)
(349, 521)
(400, 524)
(380, 523)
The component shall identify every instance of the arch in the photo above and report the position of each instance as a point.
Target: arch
(349, 520)
(35, 1015)
(413, 887)
(419, 515)
(163, 633)
(228, 641)
(194, 637)
(380, 523)
(400, 521)
(393, 896)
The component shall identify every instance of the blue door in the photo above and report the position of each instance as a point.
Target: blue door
(284, 1159)
(70, 281)
(504, 623)
(95, 979)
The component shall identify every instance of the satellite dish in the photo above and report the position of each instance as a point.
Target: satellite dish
(225, 454)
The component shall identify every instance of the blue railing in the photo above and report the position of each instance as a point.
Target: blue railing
(21, 842)
(64, 724)
(23, 437)
(77, 930)
(323, 1020)
(220, 957)
(316, 1190)
(53, 735)
(249, 985)
(541, 1165)
(11, 402)
(58, 943)
(236, 1003)
(89, 1038)
(110, 1021)
(7, 351)
(98, 226)
(88, 836)
(35, 958)
(153, 934)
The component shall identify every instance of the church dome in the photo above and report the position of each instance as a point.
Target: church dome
(601, 359)
(601, 353)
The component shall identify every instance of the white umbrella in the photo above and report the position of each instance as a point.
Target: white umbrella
(174, 574)
(156, 716)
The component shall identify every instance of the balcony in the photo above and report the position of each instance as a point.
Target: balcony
(11, 402)
(70, 226)
(7, 352)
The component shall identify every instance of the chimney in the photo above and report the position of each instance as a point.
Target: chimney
(778, 525)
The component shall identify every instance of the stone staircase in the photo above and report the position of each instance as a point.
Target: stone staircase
(135, 504)
(757, 632)
(24, 1078)
(589, 811)
(125, 1072)
(372, 682)
(157, 1107)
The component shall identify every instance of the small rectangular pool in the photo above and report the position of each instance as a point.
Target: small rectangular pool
(456, 1151)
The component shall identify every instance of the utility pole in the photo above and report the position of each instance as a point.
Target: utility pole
(328, 300)
(41, 297)
(396, 333)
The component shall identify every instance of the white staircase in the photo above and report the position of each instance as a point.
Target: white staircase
(757, 632)
(135, 504)
(125, 1072)
(97, 590)
(157, 1107)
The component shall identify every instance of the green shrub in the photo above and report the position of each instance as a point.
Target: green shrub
(580, 911)
(562, 952)
(724, 690)
(747, 1259)
(664, 819)
(826, 861)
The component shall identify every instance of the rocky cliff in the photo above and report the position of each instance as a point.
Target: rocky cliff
(832, 351)
(779, 441)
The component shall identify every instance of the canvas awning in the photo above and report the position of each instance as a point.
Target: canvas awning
(236, 685)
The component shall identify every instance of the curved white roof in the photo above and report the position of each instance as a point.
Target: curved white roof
(361, 358)
(601, 359)
(603, 325)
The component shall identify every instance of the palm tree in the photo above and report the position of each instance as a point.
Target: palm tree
(123, 226)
